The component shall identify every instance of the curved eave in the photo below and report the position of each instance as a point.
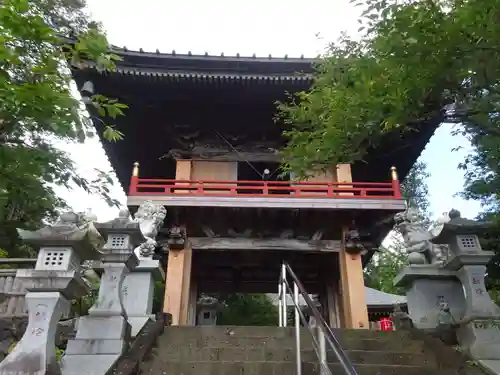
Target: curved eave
(148, 73)
(205, 67)
(216, 63)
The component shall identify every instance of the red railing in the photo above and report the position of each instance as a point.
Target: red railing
(214, 188)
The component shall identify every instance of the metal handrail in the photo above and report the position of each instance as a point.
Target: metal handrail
(325, 334)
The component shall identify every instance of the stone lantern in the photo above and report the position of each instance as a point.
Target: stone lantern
(479, 331)
(137, 290)
(122, 236)
(55, 281)
(104, 334)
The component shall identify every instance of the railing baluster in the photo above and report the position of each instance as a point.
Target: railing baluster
(281, 189)
(280, 309)
(321, 334)
(283, 288)
(329, 190)
(297, 328)
(322, 351)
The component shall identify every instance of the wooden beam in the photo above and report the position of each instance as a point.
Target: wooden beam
(203, 243)
(250, 287)
(226, 155)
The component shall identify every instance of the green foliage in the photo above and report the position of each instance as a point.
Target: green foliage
(81, 306)
(381, 271)
(37, 108)
(418, 61)
(158, 297)
(247, 310)
(415, 190)
(386, 264)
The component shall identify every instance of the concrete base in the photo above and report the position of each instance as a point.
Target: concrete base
(87, 364)
(138, 322)
(481, 339)
(138, 292)
(99, 343)
(427, 287)
(491, 365)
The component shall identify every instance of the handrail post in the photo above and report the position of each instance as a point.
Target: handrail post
(297, 327)
(134, 180)
(283, 289)
(396, 187)
(324, 333)
(322, 350)
(280, 309)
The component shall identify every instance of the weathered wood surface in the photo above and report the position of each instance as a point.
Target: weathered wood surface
(286, 202)
(221, 243)
(199, 153)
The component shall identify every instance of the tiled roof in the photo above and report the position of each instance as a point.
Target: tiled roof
(210, 76)
(374, 298)
(208, 68)
(173, 54)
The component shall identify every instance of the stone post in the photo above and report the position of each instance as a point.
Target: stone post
(51, 286)
(104, 334)
(139, 286)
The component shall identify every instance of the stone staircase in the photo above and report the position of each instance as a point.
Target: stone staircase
(271, 351)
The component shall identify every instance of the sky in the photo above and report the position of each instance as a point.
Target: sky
(263, 27)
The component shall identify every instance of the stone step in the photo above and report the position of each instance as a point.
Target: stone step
(177, 353)
(160, 367)
(382, 343)
(276, 332)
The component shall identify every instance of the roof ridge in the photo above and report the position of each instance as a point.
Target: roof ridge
(189, 54)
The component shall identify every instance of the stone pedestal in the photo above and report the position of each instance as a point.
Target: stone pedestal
(35, 353)
(104, 334)
(109, 301)
(479, 333)
(99, 342)
(428, 286)
(138, 292)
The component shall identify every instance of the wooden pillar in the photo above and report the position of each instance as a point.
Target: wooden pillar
(344, 175)
(178, 284)
(183, 172)
(352, 284)
(355, 312)
(178, 271)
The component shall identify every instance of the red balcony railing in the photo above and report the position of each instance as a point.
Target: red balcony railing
(272, 189)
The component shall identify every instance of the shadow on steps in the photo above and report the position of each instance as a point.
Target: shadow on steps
(219, 350)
